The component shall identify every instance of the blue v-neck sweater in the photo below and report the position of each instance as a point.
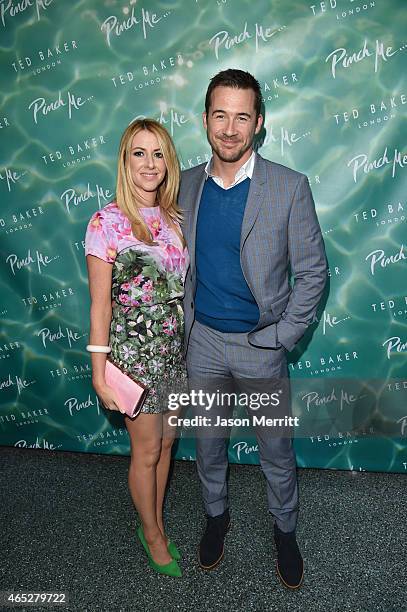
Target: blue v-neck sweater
(223, 299)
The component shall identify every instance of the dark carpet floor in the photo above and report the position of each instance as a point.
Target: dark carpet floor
(67, 524)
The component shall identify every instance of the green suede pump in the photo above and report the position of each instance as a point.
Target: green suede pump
(168, 569)
(173, 550)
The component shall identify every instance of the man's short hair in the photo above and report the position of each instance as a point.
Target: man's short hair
(238, 79)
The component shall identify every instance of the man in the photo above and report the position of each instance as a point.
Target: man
(247, 222)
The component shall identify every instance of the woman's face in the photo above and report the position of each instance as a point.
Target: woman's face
(147, 165)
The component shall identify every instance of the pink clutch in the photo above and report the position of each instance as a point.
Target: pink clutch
(130, 392)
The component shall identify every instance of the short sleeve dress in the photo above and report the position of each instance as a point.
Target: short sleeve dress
(146, 331)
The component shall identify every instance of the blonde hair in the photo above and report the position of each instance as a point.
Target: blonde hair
(127, 198)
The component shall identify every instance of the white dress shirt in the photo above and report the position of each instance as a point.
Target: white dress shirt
(245, 171)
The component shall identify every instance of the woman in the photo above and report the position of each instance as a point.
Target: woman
(137, 261)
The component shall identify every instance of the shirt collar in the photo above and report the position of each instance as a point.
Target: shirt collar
(245, 170)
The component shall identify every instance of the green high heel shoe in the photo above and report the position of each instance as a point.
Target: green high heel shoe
(168, 569)
(173, 550)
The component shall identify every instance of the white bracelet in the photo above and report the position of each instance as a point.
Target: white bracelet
(95, 348)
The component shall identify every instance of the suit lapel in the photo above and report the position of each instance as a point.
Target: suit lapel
(254, 199)
(196, 188)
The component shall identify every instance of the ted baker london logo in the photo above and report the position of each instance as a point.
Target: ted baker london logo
(375, 113)
(47, 58)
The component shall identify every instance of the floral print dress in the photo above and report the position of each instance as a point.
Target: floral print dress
(146, 329)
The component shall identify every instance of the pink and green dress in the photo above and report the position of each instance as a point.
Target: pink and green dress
(146, 331)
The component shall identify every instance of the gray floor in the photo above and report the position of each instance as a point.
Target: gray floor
(68, 524)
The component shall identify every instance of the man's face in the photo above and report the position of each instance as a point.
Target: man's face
(231, 123)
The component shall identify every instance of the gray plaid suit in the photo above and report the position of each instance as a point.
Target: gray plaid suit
(280, 230)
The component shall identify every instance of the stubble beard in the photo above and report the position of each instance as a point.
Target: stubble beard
(231, 156)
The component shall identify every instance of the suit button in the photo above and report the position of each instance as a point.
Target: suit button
(192, 304)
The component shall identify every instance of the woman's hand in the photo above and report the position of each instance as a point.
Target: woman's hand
(107, 396)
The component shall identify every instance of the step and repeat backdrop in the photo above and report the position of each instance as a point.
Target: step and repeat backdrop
(75, 73)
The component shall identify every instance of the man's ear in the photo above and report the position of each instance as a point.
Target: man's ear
(205, 124)
(259, 124)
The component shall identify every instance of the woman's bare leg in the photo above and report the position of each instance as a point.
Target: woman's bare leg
(163, 466)
(145, 433)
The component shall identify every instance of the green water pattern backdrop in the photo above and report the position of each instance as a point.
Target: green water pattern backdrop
(75, 73)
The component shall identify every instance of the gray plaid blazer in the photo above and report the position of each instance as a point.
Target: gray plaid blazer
(280, 230)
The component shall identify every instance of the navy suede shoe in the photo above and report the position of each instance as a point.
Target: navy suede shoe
(211, 547)
(290, 566)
